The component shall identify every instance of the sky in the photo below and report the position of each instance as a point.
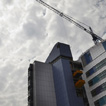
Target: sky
(28, 32)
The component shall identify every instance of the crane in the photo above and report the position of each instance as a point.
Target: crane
(95, 37)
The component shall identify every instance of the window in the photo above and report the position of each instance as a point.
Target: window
(83, 60)
(86, 58)
(96, 68)
(104, 45)
(101, 101)
(96, 79)
(99, 89)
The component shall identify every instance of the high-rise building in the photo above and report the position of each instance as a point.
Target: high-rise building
(41, 85)
(56, 82)
(94, 74)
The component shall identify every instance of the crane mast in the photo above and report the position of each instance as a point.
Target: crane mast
(95, 37)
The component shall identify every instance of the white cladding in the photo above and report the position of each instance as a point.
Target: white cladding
(97, 50)
(98, 53)
(44, 92)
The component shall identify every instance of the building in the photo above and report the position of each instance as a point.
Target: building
(57, 82)
(94, 74)
(41, 85)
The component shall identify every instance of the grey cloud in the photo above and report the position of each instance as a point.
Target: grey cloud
(44, 12)
(2, 84)
(12, 100)
(1, 42)
(104, 33)
(14, 80)
(35, 27)
(103, 17)
(32, 30)
(100, 2)
(9, 2)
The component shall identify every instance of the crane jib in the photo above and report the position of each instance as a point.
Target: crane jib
(95, 37)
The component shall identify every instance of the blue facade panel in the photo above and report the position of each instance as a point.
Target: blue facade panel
(71, 91)
(64, 85)
(65, 50)
(54, 54)
(59, 50)
(88, 57)
(60, 84)
(104, 45)
(63, 79)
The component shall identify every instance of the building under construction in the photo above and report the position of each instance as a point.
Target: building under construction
(94, 74)
(57, 82)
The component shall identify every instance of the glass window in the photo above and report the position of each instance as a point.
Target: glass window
(99, 89)
(101, 101)
(96, 79)
(86, 58)
(104, 45)
(83, 60)
(87, 74)
(90, 83)
(97, 103)
(90, 72)
(96, 68)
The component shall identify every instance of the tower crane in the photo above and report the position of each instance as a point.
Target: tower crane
(95, 37)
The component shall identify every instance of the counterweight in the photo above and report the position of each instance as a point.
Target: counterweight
(95, 37)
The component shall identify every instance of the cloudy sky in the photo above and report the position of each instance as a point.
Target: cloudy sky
(28, 31)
